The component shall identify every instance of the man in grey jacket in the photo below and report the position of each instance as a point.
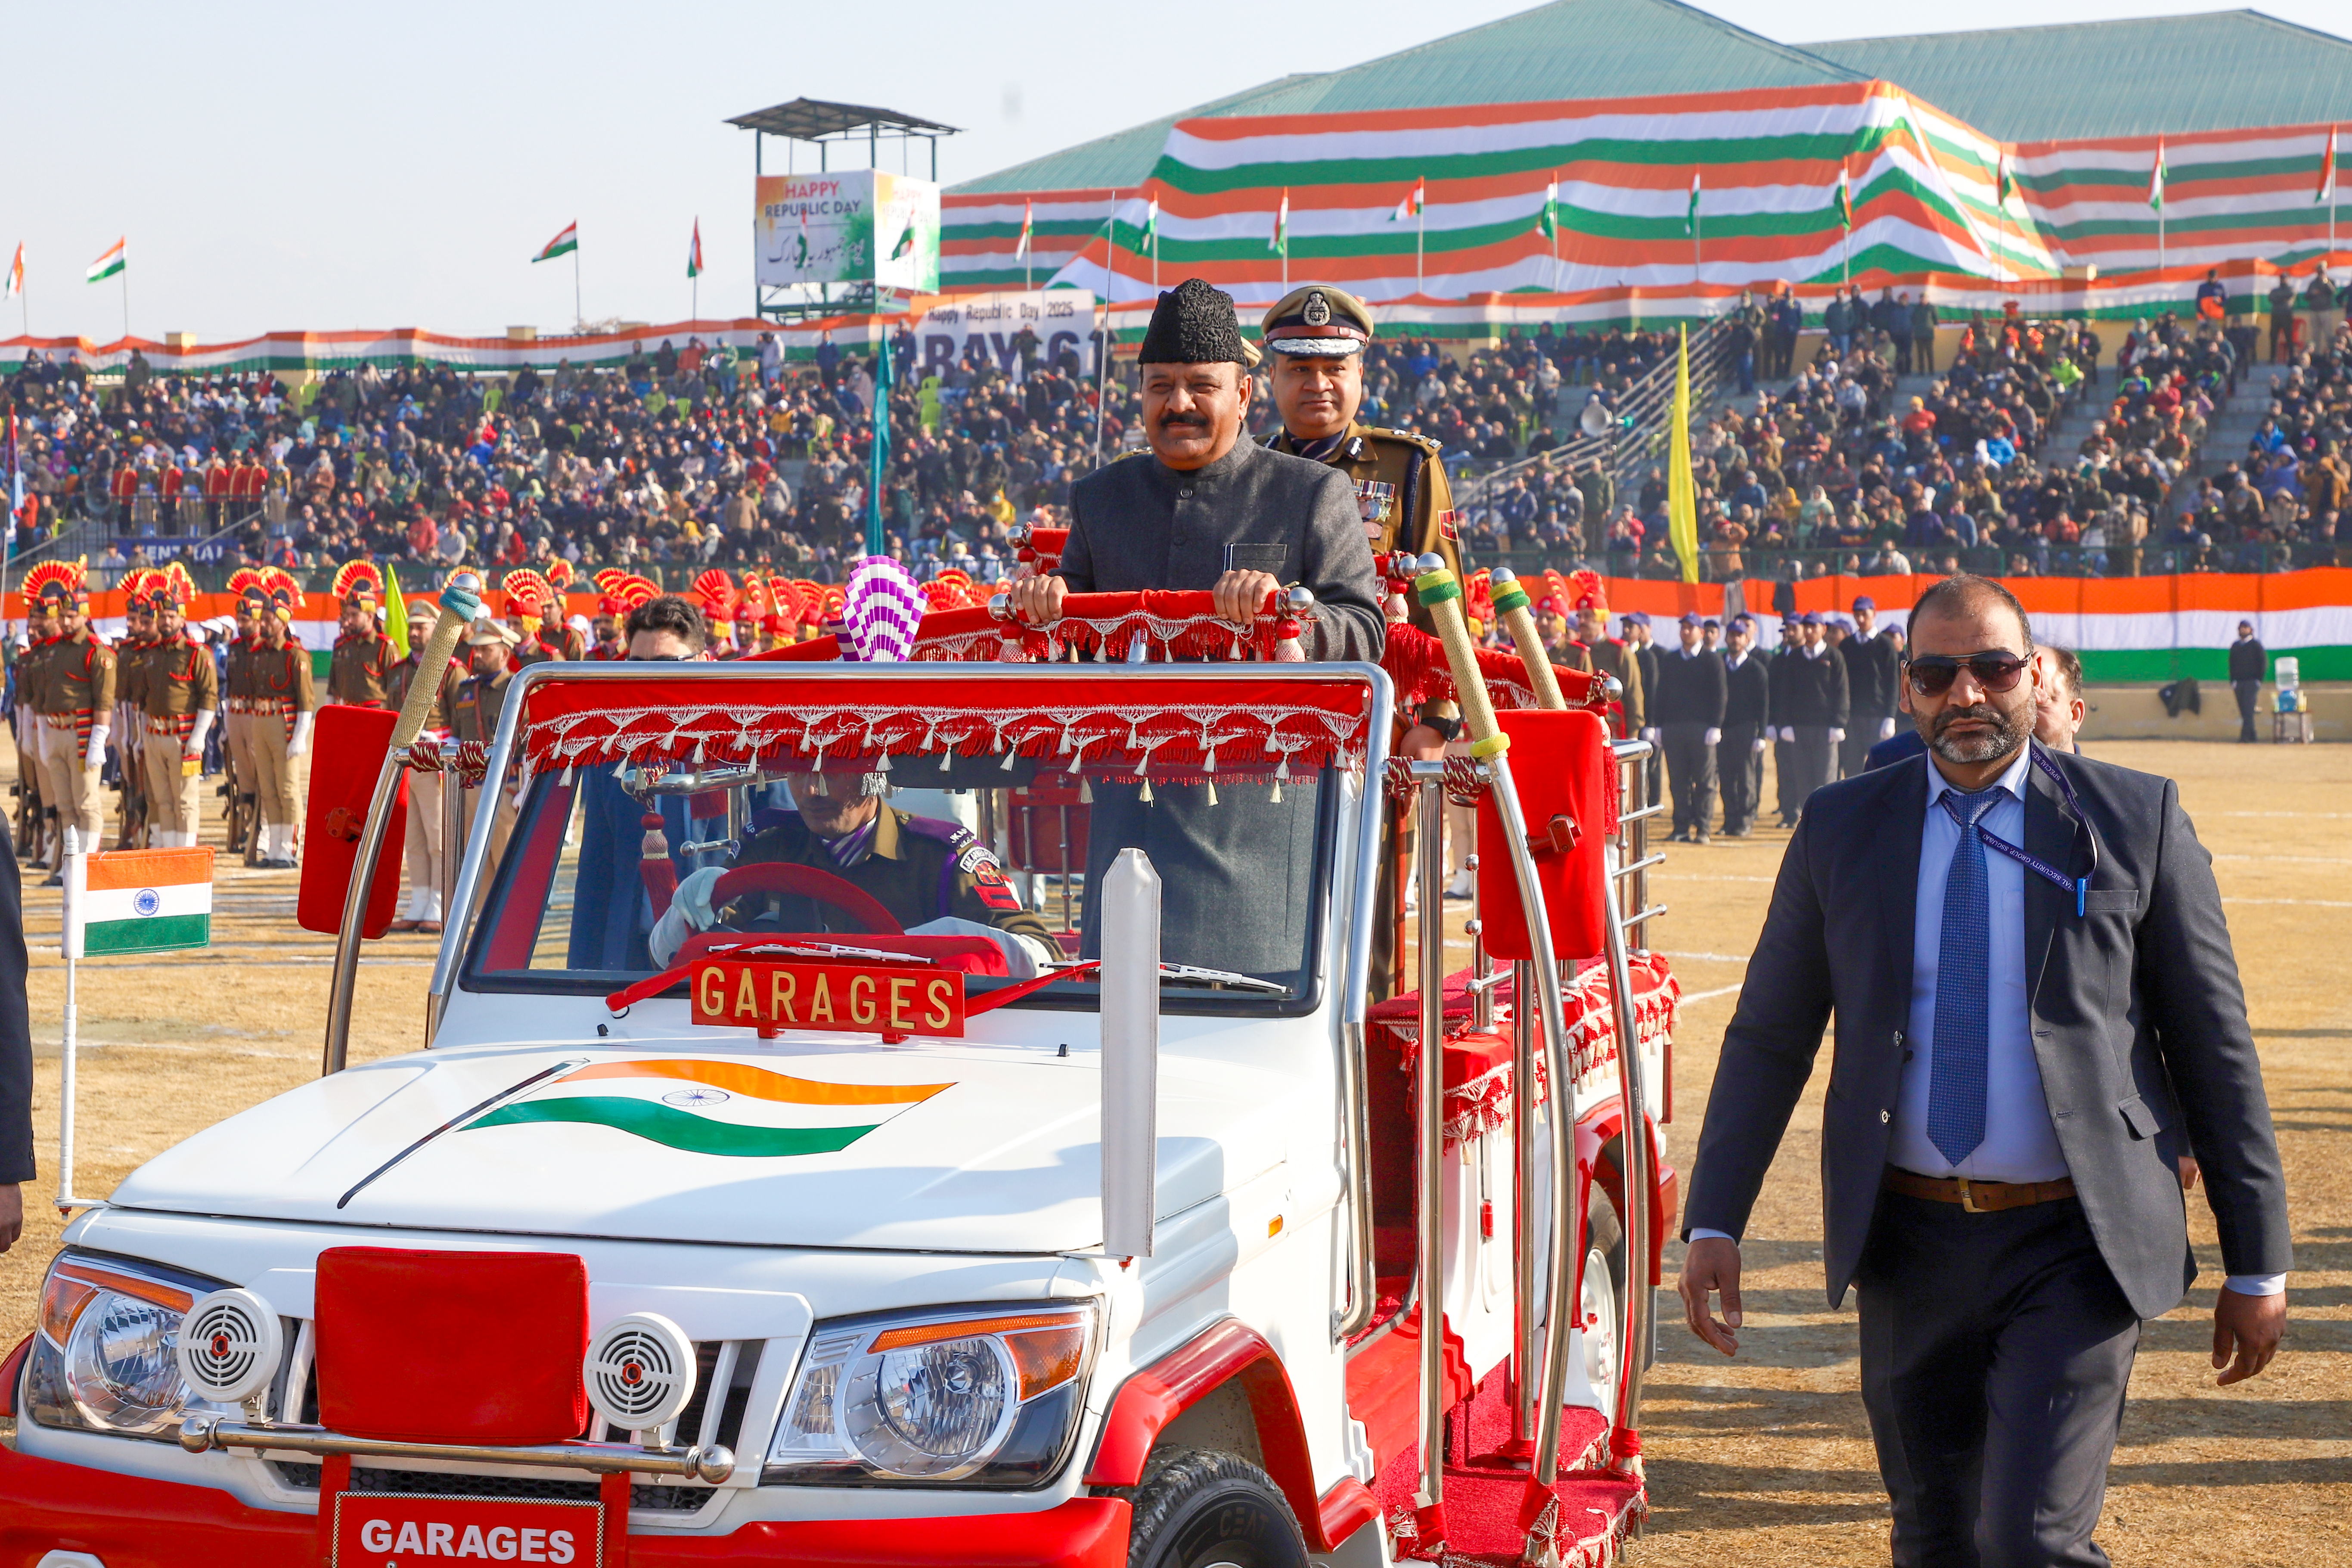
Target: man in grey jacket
(2026, 959)
(1207, 508)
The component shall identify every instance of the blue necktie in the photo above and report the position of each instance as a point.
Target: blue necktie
(1956, 1091)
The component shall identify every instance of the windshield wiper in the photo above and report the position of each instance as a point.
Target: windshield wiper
(1186, 974)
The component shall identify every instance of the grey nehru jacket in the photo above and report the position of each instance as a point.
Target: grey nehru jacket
(1139, 524)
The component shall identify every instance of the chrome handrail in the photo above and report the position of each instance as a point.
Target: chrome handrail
(716, 1464)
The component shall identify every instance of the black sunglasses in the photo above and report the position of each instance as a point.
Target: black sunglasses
(1932, 674)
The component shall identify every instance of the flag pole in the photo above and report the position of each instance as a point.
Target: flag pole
(125, 276)
(579, 311)
(1421, 240)
(75, 870)
(1110, 294)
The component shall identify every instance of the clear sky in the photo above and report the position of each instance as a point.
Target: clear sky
(280, 166)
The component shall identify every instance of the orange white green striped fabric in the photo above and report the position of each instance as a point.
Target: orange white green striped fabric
(142, 900)
(731, 1109)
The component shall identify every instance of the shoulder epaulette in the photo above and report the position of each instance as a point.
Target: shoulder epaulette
(1428, 443)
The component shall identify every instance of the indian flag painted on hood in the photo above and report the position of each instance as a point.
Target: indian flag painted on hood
(143, 900)
(701, 1106)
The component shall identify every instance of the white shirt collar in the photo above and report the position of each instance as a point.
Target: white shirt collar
(2012, 777)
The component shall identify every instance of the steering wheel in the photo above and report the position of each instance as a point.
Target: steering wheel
(811, 882)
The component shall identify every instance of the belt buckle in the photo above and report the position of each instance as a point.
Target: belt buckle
(1967, 1196)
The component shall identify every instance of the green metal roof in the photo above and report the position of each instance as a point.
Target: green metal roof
(2222, 70)
(1567, 49)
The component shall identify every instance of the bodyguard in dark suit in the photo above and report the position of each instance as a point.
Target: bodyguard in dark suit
(1686, 718)
(2025, 957)
(1747, 718)
(1810, 710)
(1791, 647)
(1872, 669)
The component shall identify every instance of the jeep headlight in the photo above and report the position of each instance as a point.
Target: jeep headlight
(106, 1356)
(981, 1401)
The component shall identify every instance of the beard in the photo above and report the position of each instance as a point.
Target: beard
(2009, 730)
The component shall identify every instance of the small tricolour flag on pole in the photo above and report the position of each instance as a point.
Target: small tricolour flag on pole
(1547, 221)
(1280, 243)
(563, 244)
(1411, 205)
(2326, 193)
(1845, 199)
(2156, 178)
(16, 273)
(1152, 222)
(694, 252)
(1028, 228)
(142, 900)
(1690, 218)
(107, 265)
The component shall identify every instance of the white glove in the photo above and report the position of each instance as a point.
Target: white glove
(1789, 734)
(297, 744)
(1651, 736)
(690, 911)
(1759, 745)
(1712, 737)
(196, 737)
(96, 756)
(1886, 729)
(1837, 737)
(1025, 957)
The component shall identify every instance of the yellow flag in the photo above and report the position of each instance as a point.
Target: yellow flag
(1682, 497)
(396, 612)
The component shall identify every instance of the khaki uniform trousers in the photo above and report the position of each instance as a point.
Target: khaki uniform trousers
(276, 777)
(427, 854)
(69, 785)
(239, 742)
(172, 792)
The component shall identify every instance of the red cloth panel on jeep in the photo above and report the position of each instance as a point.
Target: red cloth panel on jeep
(452, 1347)
(1560, 761)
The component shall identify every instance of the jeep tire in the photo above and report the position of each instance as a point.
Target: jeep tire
(1202, 1510)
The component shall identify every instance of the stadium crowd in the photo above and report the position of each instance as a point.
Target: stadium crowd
(685, 457)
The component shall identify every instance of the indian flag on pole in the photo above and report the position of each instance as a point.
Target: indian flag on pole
(1028, 228)
(1280, 243)
(1548, 222)
(2156, 178)
(1845, 199)
(725, 1108)
(16, 273)
(1411, 205)
(694, 252)
(142, 900)
(107, 265)
(2324, 194)
(2004, 182)
(563, 244)
(1690, 218)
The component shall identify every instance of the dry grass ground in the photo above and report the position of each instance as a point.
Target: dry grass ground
(1763, 1461)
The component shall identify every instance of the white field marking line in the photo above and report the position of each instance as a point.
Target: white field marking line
(1710, 957)
(40, 951)
(2313, 904)
(1690, 997)
(2329, 815)
(1705, 877)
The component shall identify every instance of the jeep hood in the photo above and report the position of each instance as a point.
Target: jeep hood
(955, 1148)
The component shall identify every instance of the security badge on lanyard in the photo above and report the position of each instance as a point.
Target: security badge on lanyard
(2078, 886)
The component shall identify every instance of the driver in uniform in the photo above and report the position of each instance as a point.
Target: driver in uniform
(935, 877)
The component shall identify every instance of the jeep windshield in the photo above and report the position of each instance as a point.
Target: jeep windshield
(953, 820)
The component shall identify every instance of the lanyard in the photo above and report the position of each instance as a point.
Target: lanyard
(2078, 886)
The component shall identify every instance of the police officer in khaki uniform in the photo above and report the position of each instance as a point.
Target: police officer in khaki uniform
(923, 870)
(77, 693)
(360, 672)
(284, 708)
(480, 701)
(179, 697)
(132, 816)
(237, 709)
(37, 813)
(1316, 337)
(426, 850)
